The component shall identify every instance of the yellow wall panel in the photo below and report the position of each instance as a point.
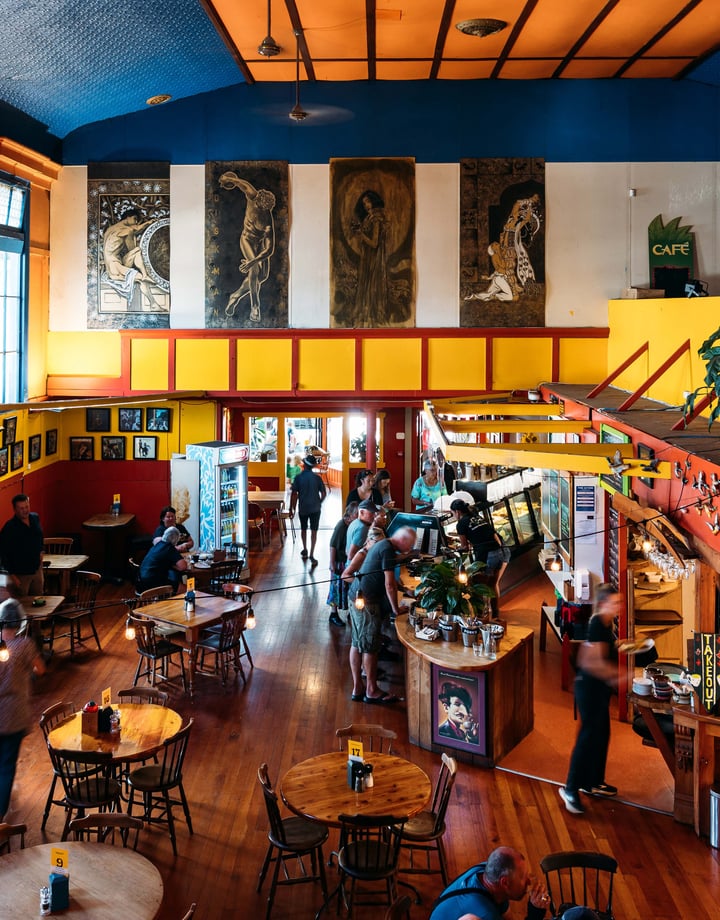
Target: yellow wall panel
(264, 364)
(583, 360)
(520, 364)
(197, 423)
(392, 365)
(326, 364)
(456, 364)
(665, 324)
(149, 364)
(202, 364)
(91, 353)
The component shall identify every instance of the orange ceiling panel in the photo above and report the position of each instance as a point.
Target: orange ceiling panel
(629, 26)
(339, 70)
(528, 70)
(690, 36)
(403, 70)
(465, 70)
(459, 45)
(414, 35)
(647, 69)
(334, 28)
(591, 69)
(554, 26)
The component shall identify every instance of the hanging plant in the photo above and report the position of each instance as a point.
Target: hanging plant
(709, 351)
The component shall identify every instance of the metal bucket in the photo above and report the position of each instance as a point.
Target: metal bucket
(448, 630)
(469, 635)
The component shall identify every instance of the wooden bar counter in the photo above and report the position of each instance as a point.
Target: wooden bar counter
(506, 713)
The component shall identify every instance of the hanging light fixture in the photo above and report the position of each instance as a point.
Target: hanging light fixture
(481, 28)
(359, 600)
(250, 622)
(268, 47)
(462, 575)
(297, 113)
(4, 650)
(129, 630)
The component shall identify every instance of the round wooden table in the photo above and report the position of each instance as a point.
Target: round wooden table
(143, 729)
(106, 882)
(317, 788)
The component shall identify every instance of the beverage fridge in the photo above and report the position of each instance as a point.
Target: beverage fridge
(219, 468)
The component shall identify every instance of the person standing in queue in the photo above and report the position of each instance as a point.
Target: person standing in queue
(484, 891)
(428, 488)
(376, 580)
(21, 547)
(595, 682)
(307, 495)
(15, 712)
(338, 593)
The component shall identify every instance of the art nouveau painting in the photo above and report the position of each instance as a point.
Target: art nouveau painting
(128, 253)
(246, 244)
(502, 242)
(372, 242)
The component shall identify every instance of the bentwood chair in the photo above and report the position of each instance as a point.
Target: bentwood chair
(154, 782)
(51, 717)
(243, 593)
(290, 839)
(101, 828)
(7, 832)
(424, 832)
(151, 596)
(373, 737)
(368, 859)
(399, 909)
(82, 610)
(256, 520)
(152, 649)
(88, 783)
(577, 878)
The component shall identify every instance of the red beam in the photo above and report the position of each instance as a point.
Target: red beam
(616, 373)
(656, 376)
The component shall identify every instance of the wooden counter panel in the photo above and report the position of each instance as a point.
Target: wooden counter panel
(509, 709)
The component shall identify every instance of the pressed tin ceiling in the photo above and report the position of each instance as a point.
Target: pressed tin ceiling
(67, 63)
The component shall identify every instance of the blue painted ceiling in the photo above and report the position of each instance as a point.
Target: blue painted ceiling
(69, 63)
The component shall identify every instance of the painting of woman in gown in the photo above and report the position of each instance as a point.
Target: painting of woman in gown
(372, 227)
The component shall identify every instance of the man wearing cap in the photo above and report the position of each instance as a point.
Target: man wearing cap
(358, 531)
(308, 494)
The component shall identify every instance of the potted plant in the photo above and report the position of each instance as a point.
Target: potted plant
(441, 586)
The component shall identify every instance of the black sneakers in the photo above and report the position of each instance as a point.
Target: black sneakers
(335, 620)
(572, 801)
(604, 789)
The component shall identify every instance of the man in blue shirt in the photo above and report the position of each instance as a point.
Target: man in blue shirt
(485, 891)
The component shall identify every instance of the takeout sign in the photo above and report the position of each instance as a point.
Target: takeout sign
(706, 664)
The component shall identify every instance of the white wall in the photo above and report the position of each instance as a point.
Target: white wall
(596, 242)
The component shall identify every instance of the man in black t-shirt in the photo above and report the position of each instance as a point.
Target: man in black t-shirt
(21, 547)
(308, 494)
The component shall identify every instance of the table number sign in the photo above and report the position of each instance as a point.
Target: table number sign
(59, 859)
(106, 698)
(190, 584)
(355, 750)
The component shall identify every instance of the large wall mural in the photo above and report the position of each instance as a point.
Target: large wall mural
(502, 242)
(246, 244)
(372, 242)
(128, 252)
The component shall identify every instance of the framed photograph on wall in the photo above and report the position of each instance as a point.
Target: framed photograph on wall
(145, 447)
(614, 482)
(82, 448)
(459, 709)
(97, 420)
(130, 419)
(34, 448)
(646, 453)
(158, 420)
(51, 442)
(9, 429)
(3, 461)
(112, 448)
(17, 455)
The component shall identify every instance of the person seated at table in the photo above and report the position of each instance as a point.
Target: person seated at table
(163, 563)
(485, 891)
(168, 518)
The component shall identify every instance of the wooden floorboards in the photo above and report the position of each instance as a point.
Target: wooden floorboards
(298, 693)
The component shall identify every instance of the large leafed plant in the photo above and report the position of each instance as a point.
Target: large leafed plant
(439, 587)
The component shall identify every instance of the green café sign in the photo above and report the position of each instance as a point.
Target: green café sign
(671, 246)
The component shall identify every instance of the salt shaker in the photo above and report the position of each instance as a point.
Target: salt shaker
(44, 901)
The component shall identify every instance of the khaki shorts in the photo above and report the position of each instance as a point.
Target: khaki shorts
(366, 628)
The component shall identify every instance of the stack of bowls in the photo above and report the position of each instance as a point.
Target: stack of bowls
(642, 686)
(662, 689)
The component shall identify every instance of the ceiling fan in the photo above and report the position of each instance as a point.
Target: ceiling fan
(268, 47)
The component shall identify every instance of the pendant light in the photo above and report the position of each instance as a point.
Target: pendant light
(297, 113)
(268, 47)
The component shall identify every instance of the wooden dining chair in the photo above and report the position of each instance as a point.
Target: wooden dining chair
(225, 645)
(155, 783)
(58, 546)
(153, 649)
(368, 859)
(151, 596)
(399, 909)
(290, 839)
(577, 878)
(88, 782)
(102, 827)
(373, 737)
(74, 615)
(51, 717)
(10, 831)
(223, 572)
(256, 520)
(244, 593)
(424, 832)
(143, 695)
